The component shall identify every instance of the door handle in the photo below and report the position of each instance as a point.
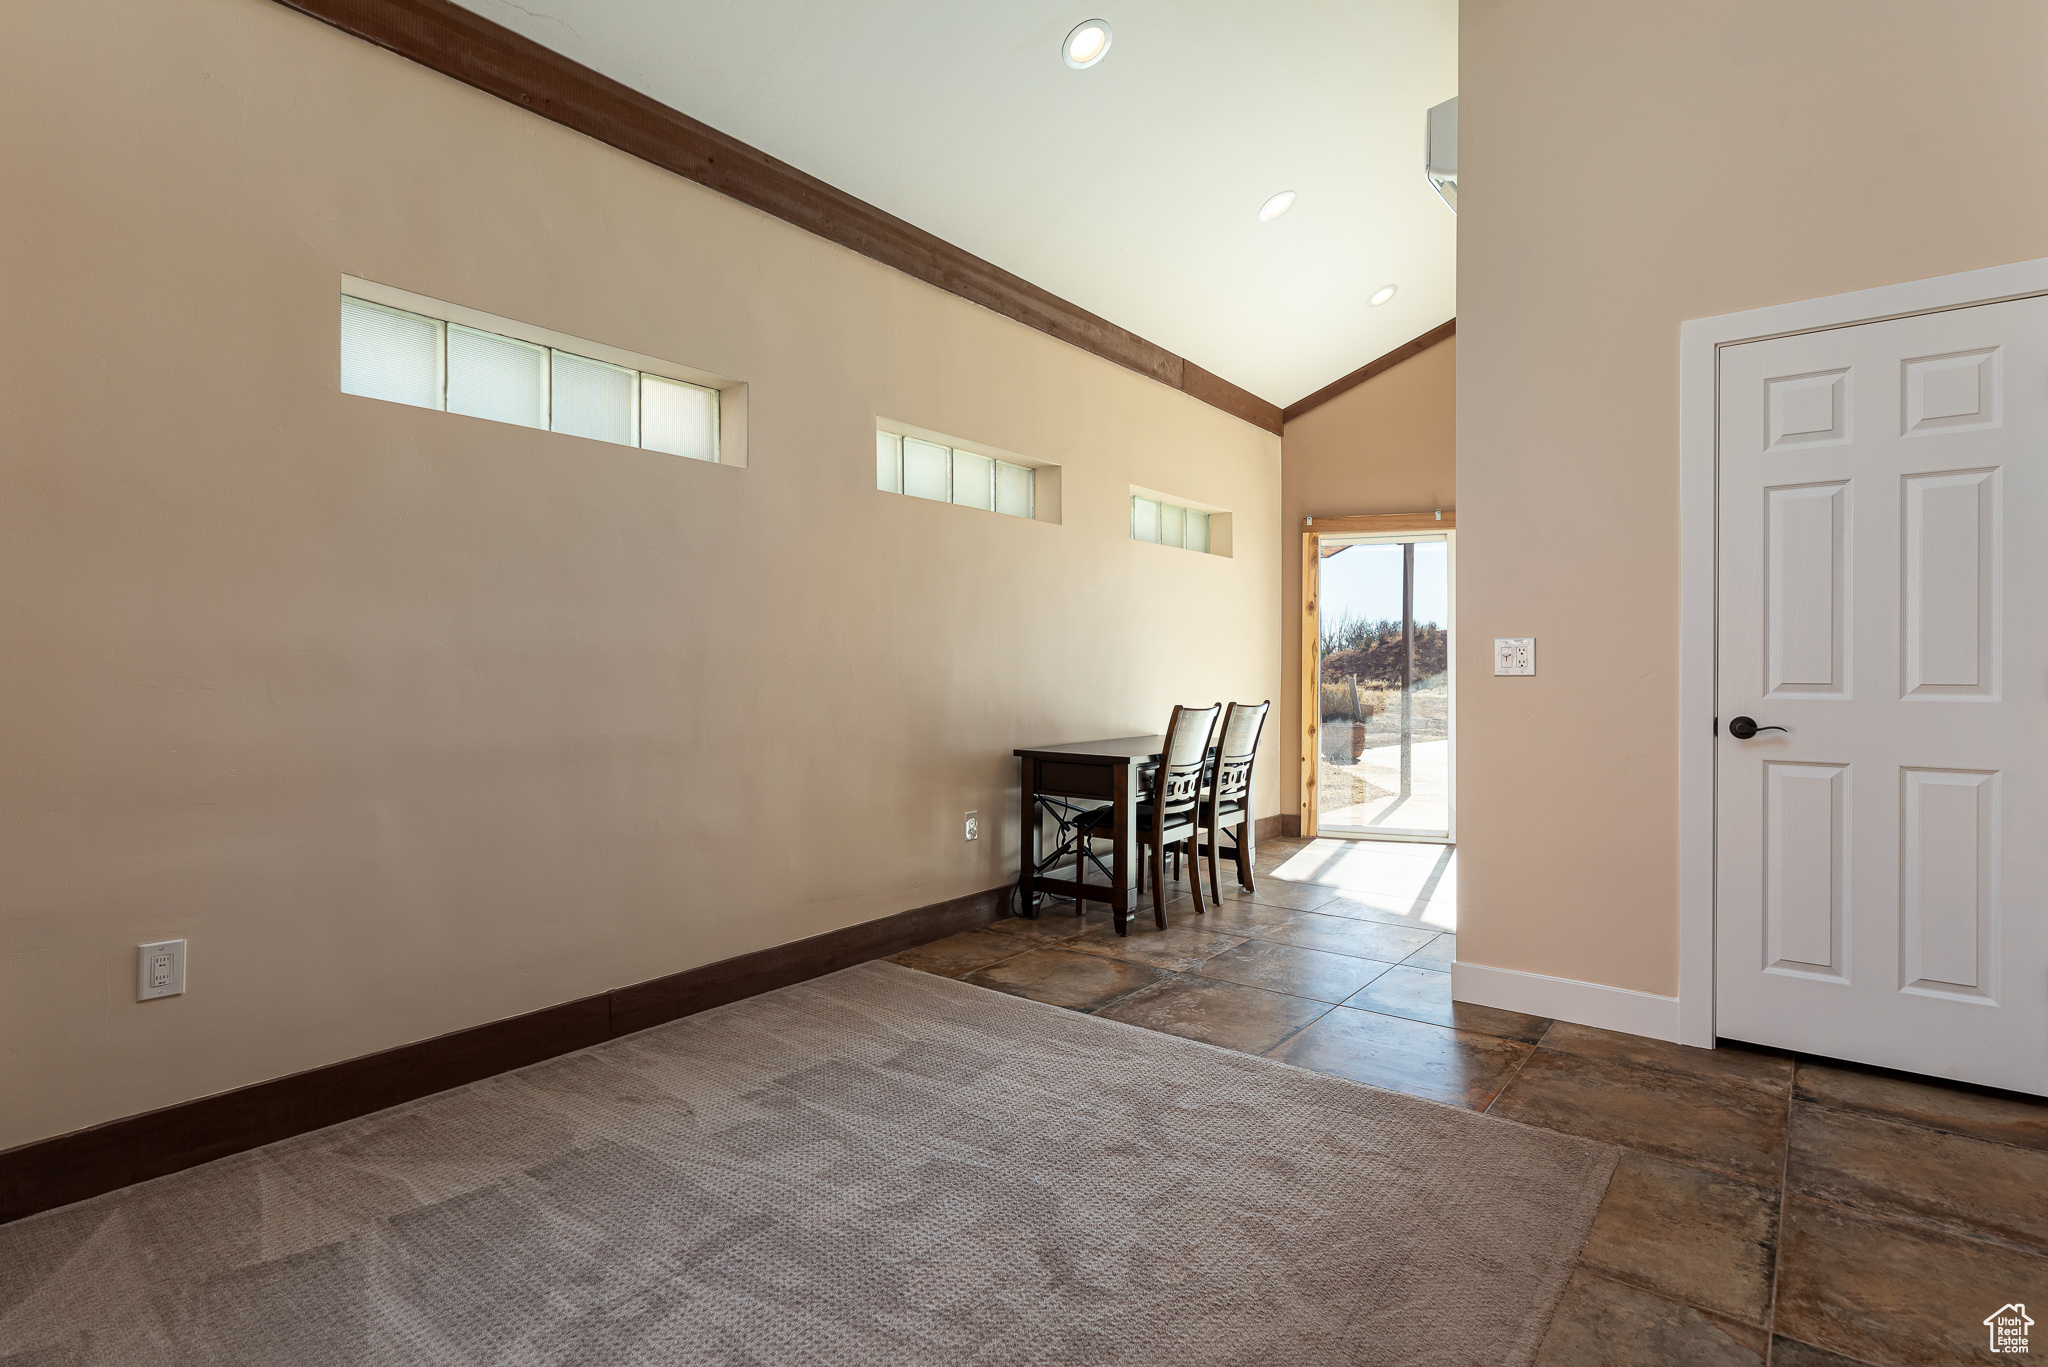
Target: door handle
(1742, 728)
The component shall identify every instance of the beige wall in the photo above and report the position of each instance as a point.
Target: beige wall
(410, 721)
(1388, 446)
(1624, 167)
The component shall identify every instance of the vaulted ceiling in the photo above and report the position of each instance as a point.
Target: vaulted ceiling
(1131, 188)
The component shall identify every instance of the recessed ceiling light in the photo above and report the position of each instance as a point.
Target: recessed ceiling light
(1276, 206)
(1087, 44)
(1383, 294)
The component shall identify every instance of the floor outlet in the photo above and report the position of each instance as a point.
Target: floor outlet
(161, 970)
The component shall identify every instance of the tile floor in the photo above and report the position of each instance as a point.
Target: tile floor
(1766, 1210)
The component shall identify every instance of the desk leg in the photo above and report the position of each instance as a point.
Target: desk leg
(1123, 869)
(1028, 832)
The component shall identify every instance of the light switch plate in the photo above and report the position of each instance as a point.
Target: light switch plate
(1514, 655)
(160, 970)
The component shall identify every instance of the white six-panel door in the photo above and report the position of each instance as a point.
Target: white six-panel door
(1882, 864)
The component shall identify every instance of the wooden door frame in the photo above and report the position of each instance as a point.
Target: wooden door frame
(1699, 400)
(1313, 530)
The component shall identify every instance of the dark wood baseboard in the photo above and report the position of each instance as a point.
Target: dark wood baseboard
(71, 1167)
(699, 989)
(1277, 828)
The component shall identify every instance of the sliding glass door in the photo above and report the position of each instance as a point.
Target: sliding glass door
(1383, 767)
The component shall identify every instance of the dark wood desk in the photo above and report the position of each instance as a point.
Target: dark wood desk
(1091, 771)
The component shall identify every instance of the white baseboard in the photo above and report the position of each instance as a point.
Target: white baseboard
(1567, 999)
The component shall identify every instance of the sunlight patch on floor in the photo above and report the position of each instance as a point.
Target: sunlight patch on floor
(1416, 880)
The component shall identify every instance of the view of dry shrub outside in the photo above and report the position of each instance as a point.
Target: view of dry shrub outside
(1362, 684)
(1366, 777)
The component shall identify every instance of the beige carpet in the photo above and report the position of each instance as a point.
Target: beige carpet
(880, 1168)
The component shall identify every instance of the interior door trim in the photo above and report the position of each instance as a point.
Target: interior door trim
(1313, 529)
(1354, 524)
(1699, 369)
(1311, 676)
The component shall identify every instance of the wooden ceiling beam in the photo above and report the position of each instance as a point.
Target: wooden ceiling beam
(1413, 347)
(444, 37)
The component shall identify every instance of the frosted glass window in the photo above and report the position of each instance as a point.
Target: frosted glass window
(592, 399)
(889, 462)
(1014, 489)
(1170, 520)
(974, 481)
(1169, 524)
(678, 419)
(924, 470)
(495, 377)
(389, 354)
(415, 358)
(1144, 519)
(948, 474)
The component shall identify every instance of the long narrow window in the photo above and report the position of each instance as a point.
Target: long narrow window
(948, 474)
(412, 358)
(1169, 524)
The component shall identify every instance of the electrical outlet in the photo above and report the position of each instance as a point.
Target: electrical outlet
(974, 825)
(160, 970)
(1514, 655)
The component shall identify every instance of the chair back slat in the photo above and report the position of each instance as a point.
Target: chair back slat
(1184, 761)
(1238, 749)
(1241, 727)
